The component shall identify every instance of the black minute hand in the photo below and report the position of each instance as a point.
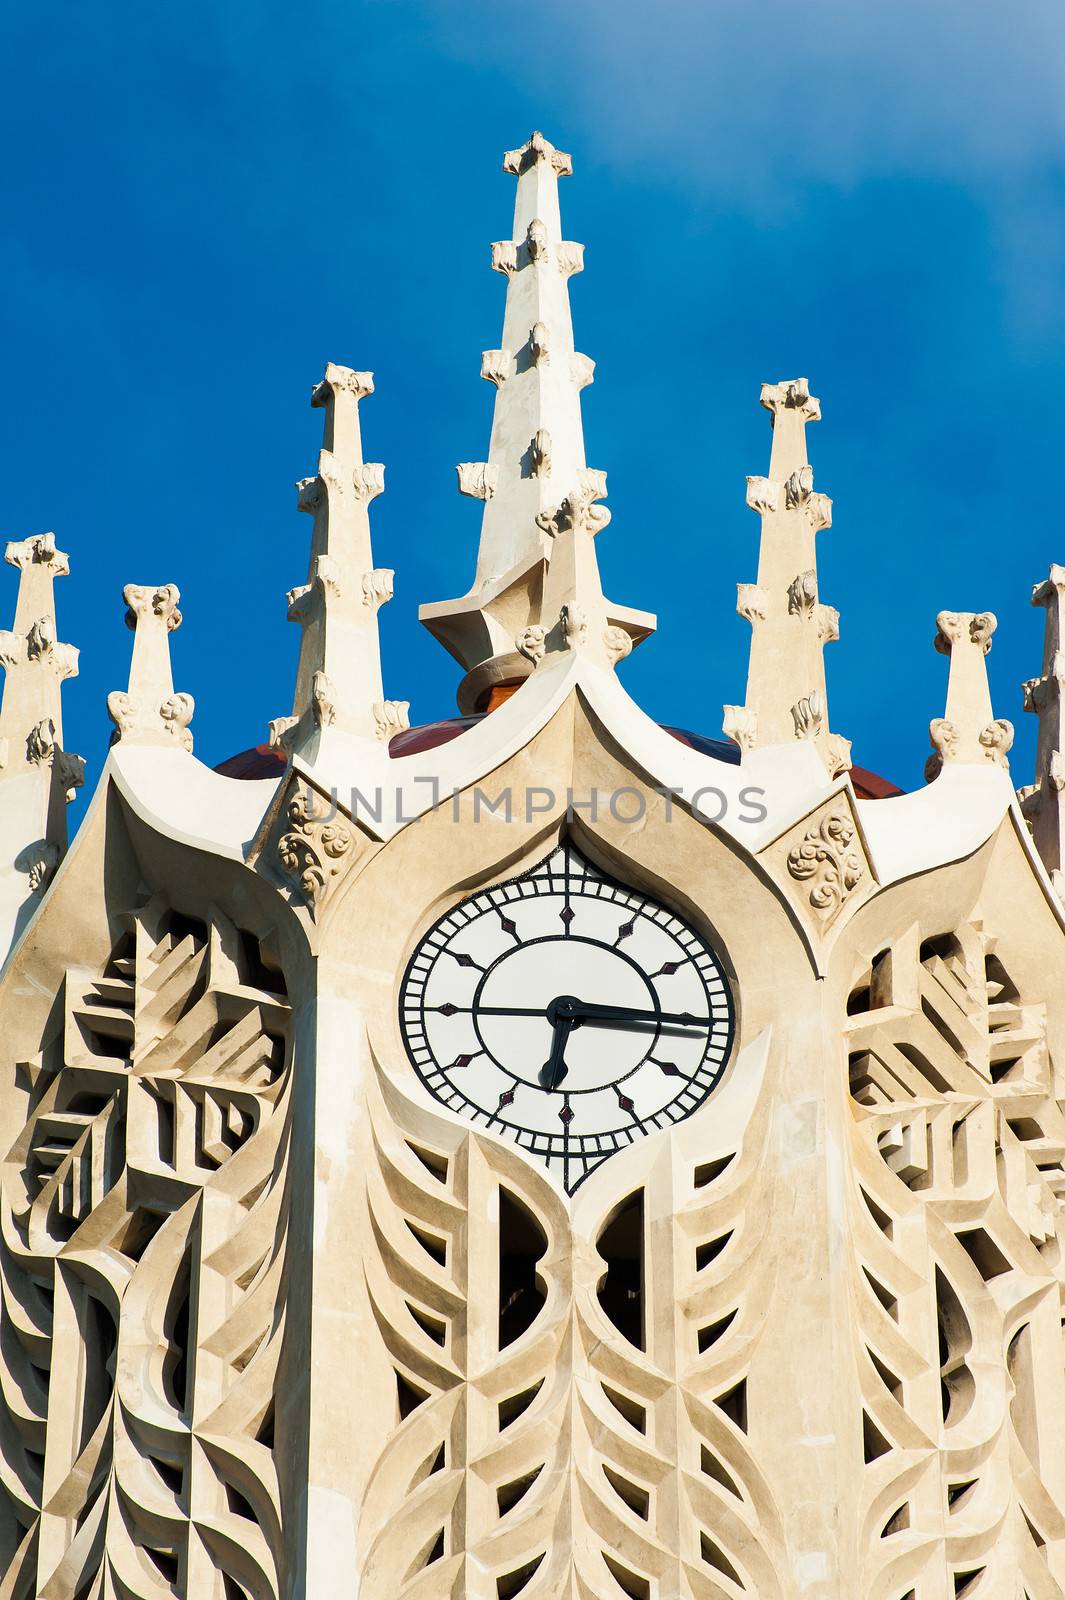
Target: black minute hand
(586, 1012)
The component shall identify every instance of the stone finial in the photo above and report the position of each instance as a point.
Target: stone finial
(149, 712)
(1043, 802)
(338, 679)
(968, 731)
(37, 776)
(786, 698)
(535, 472)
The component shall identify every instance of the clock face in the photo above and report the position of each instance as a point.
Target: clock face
(567, 1013)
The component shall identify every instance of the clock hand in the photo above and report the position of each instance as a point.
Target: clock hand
(586, 1012)
(554, 1068)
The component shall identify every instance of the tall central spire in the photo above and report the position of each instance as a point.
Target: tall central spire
(536, 463)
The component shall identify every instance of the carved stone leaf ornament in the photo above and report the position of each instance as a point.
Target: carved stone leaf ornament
(826, 857)
(314, 847)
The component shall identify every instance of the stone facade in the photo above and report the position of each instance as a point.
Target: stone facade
(312, 1287)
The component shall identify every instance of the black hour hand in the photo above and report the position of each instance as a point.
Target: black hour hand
(554, 1068)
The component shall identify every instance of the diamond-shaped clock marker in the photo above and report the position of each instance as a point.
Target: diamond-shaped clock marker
(506, 1098)
(566, 1114)
(567, 915)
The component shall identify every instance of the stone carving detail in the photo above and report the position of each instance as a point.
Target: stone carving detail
(280, 728)
(996, 739)
(378, 586)
(391, 717)
(538, 346)
(538, 149)
(536, 240)
(793, 396)
(981, 628)
(310, 494)
(827, 624)
(741, 726)
(618, 644)
(839, 754)
(40, 743)
(802, 594)
(70, 770)
(41, 639)
(944, 736)
(950, 628)
(808, 716)
(118, 1138)
(42, 865)
(570, 258)
(592, 483)
(495, 366)
(505, 256)
(176, 713)
(532, 642)
(360, 384)
(574, 622)
(827, 858)
(577, 511)
(38, 550)
(315, 845)
(540, 454)
(162, 602)
(368, 480)
(581, 369)
(751, 602)
(763, 495)
(477, 479)
(323, 700)
(799, 487)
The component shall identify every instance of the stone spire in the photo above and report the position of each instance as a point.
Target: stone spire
(149, 712)
(968, 732)
(1043, 803)
(37, 776)
(790, 627)
(338, 679)
(535, 480)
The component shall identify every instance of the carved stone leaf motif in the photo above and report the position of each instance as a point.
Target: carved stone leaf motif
(346, 379)
(368, 480)
(38, 550)
(540, 453)
(391, 717)
(808, 716)
(313, 848)
(532, 643)
(740, 724)
(323, 700)
(618, 644)
(43, 865)
(378, 586)
(570, 258)
(996, 739)
(794, 396)
(763, 495)
(577, 511)
(536, 240)
(751, 602)
(574, 620)
(40, 742)
(826, 857)
(477, 479)
(827, 624)
(799, 487)
(505, 256)
(802, 594)
(538, 345)
(582, 369)
(177, 713)
(495, 366)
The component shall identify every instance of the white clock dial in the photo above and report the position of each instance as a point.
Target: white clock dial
(566, 1012)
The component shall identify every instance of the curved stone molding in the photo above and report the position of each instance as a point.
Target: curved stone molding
(477, 479)
(391, 717)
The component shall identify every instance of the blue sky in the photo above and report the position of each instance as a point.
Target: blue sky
(208, 201)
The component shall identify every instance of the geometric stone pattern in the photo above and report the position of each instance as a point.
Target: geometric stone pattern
(143, 1218)
(563, 1432)
(956, 1223)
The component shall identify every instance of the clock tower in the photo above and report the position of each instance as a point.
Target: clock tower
(541, 1153)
